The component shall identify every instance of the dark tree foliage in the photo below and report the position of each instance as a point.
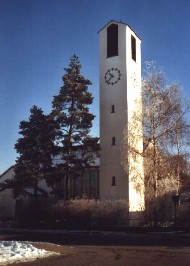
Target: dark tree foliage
(35, 149)
(70, 112)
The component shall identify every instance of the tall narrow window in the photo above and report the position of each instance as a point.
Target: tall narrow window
(113, 140)
(113, 183)
(113, 109)
(133, 48)
(85, 183)
(112, 40)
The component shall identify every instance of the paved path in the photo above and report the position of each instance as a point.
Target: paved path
(101, 250)
(112, 256)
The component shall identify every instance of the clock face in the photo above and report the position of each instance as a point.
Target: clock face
(112, 76)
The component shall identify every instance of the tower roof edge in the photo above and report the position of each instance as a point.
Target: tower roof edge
(119, 22)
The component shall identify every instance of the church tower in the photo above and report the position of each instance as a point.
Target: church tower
(120, 90)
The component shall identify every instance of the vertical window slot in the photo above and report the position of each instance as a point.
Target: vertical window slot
(133, 48)
(113, 109)
(113, 184)
(112, 40)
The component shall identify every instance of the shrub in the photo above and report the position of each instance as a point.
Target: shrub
(183, 215)
(89, 213)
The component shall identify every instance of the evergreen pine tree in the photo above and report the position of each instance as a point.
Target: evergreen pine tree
(35, 149)
(70, 111)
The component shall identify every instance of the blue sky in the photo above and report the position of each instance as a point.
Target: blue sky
(37, 38)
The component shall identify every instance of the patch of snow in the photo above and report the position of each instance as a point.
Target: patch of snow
(14, 251)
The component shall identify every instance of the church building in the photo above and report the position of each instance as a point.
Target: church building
(120, 90)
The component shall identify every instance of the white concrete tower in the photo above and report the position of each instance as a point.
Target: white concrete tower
(120, 88)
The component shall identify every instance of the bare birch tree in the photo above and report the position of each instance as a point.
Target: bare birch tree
(165, 132)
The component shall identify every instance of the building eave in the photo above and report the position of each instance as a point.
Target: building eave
(119, 22)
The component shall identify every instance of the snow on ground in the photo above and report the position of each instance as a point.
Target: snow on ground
(14, 251)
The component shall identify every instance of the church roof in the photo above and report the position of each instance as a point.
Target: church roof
(11, 167)
(119, 22)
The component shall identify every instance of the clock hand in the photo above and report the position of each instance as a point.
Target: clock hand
(111, 76)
